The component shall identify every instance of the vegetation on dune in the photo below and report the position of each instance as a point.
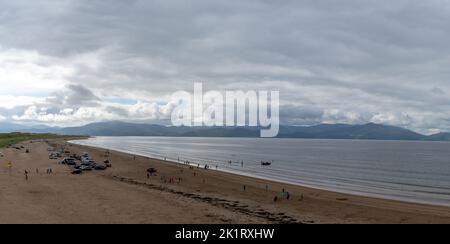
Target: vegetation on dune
(14, 138)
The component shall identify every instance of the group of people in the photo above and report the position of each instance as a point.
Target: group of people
(284, 194)
(206, 166)
(49, 171)
(171, 180)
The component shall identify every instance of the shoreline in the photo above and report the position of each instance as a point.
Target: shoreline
(331, 197)
(237, 173)
(177, 195)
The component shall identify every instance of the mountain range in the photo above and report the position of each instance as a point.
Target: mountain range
(370, 131)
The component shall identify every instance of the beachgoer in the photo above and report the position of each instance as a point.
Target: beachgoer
(288, 196)
(26, 175)
(245, 187)
(275, 199)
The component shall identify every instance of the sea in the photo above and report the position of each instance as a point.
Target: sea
(412, 171)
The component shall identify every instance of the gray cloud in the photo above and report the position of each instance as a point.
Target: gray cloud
(352, 61)
(74, 96)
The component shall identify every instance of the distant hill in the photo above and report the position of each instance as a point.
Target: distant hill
(117, 128)
(369, 131)
(343, 131)
(439, 137)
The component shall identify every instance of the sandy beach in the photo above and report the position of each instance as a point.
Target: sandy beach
(177, 194)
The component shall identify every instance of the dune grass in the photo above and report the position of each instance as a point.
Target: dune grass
(14, 138)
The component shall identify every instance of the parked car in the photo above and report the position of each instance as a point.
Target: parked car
(54, 155)
(100, 167)
(77, 172)
(85, 167)
(88, 163)
(152, 171)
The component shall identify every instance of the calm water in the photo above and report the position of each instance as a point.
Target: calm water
(411, 171)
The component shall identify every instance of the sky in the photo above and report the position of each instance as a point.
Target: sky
(72, 62)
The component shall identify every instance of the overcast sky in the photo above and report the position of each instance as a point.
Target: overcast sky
(66, 62)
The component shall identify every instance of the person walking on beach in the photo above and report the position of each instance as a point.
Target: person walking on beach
(245, 187)
(9, 167)
(26, 175)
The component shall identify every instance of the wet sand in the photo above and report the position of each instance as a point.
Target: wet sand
(124, 194)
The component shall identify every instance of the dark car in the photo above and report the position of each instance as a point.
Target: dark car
(100, 167)
(152, 171)
(77, 172)
(69, 161)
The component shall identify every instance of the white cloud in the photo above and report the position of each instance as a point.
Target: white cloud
(28, 72)
(11, 101)
(77, 105)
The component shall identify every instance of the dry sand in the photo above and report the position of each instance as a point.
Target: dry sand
(123, 194)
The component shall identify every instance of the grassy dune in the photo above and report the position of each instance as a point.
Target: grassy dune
(13, 138)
